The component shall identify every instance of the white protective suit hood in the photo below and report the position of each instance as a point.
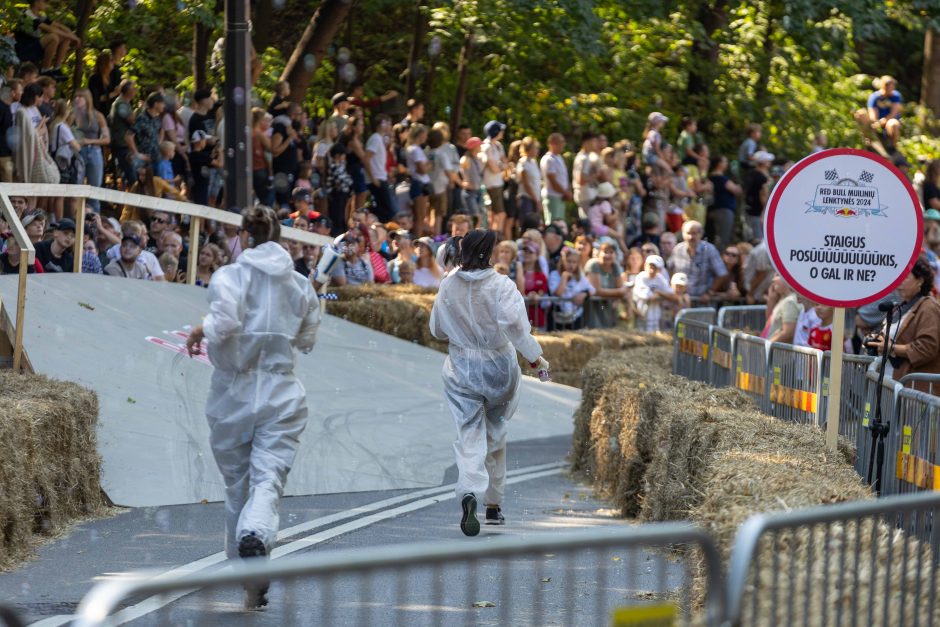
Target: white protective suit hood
(260, 310)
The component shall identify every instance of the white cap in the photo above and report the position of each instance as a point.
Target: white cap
(606, 190)
(656, 260)
(680, 278)
(656, 116)
(763, 155)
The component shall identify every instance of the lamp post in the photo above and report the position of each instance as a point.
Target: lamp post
(237, 104)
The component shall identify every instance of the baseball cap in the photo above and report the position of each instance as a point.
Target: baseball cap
(65, 224)
(132, 238)
(656, 116)
(32, 215)
(473, 142)
(649, 220)
(493, 128)
(606, 190)
(763, 155)
(199, 135)
(324, 221)
(339, 97)
(551, 228)
(932, 214)
(680, 278)
(427, 241)
(301, 193)
(656, 260)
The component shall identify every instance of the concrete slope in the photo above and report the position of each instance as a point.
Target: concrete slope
(378, 420)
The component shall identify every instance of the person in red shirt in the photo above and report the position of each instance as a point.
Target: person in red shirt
(532, 282)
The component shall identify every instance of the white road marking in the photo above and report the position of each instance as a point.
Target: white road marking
(433, 496)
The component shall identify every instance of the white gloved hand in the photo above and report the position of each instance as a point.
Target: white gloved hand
(542, 367)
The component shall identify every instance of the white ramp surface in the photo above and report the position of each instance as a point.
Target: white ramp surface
(377, 418)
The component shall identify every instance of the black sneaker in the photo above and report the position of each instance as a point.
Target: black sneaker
(256, 595)
(494, 516)
(469, 523)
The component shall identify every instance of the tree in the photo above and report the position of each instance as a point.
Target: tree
(312, 45)
(930, 87)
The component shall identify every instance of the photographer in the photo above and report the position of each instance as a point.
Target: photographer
(915, 333)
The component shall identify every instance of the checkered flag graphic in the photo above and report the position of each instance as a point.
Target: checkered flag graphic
(831, 175)
(866, 176)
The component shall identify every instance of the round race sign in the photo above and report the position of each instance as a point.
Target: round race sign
(844, 227)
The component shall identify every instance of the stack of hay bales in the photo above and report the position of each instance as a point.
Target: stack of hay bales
(403, 311)
(665, 448)
(50, 469)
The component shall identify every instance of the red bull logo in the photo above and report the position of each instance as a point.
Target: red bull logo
(845, 212)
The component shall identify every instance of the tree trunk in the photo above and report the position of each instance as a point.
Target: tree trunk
(201, 36)
(765, 65)
(83, 13)
(713, 18)
(315, 40)
(420, 27)
(930, 83)
(460, 95)
(261, 21)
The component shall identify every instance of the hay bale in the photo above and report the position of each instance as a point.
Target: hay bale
(50, 470)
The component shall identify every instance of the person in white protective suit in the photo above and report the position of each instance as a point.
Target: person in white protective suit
(260, 310)
(483, 315)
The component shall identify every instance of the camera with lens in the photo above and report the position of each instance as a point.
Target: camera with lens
(870, 343)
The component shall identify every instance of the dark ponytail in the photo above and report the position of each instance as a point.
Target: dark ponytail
(476, 249)
(261, 224)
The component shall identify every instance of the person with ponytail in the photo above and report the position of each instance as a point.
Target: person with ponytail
(483, 316)
(260, 310)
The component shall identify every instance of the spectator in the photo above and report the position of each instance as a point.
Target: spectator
(164, 167)
(406, 272)
(569, 283)
(811, 329)
(20, 205)
(172, 243)
(651, 288)
(353, 268)
(584, 244)
(45, 41)
(118, 49)
(175, 131)
(136, 228)
(55, 254)
(633, 265)
(679, 284)
(357, 97)
(603, 218)
(699, 260)
(210, 259)
(471, 179)
(931, 188)
(584, 173)
(449, 150)
(606, 277)
(120, 122)
(529, 177)
(557, 188)
(171, 268)
(720, 221)
(494, 169)
(340, 102)
(439, 175)
(93, 133)
(127, 265)
(6, 126)
(689, 143)
(651, 229)
(160, 223)
(758, 273)
(34, 222)
(506, 253)
(351, 138)
(202, 158)
(404, 251)
(731, 286)
(203, 116)
(338, 189)
(418, 169)
(756, 194)
(280, 103)
(746, 151)
(260, 157)
(884, 111)
(415, 113)
(33, 163)
(784, 311)
(459, 226)
(427, 272)
(464, 133)
(148, 185)
(103, 93)
(653, 149)
(10, 259)
(532, 282)
(554, 242)
(376, 161)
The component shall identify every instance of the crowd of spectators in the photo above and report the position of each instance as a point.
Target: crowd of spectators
(620, 232)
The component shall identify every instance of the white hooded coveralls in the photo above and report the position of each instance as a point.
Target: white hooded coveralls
(483, 315)
(259, 311)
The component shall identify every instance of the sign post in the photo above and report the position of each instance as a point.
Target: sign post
(844, 228)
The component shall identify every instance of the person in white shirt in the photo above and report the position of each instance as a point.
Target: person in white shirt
(493, 157)
(570, 283)
(556, 188)
(584, 172)
(650, 289)
(376, 168)
(419, 168)
(529, 177)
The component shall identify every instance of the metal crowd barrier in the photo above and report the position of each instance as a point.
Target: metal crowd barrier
(864, 443)
(745, 318)
(690, 349)
(852, 399)
(913, 453)
(922, 381)
(750, 367)
(701, 314)
(580, 578)
(795, 391)
(722, 357)
(861, 563)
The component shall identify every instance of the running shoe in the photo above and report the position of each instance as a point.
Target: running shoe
(469, 523)
(256, 594)
(494, 516)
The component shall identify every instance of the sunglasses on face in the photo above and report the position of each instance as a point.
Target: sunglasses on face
(649, 251)
(160, 221)
(732, 254)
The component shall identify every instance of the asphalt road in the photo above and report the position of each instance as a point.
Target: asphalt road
(539, 590)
